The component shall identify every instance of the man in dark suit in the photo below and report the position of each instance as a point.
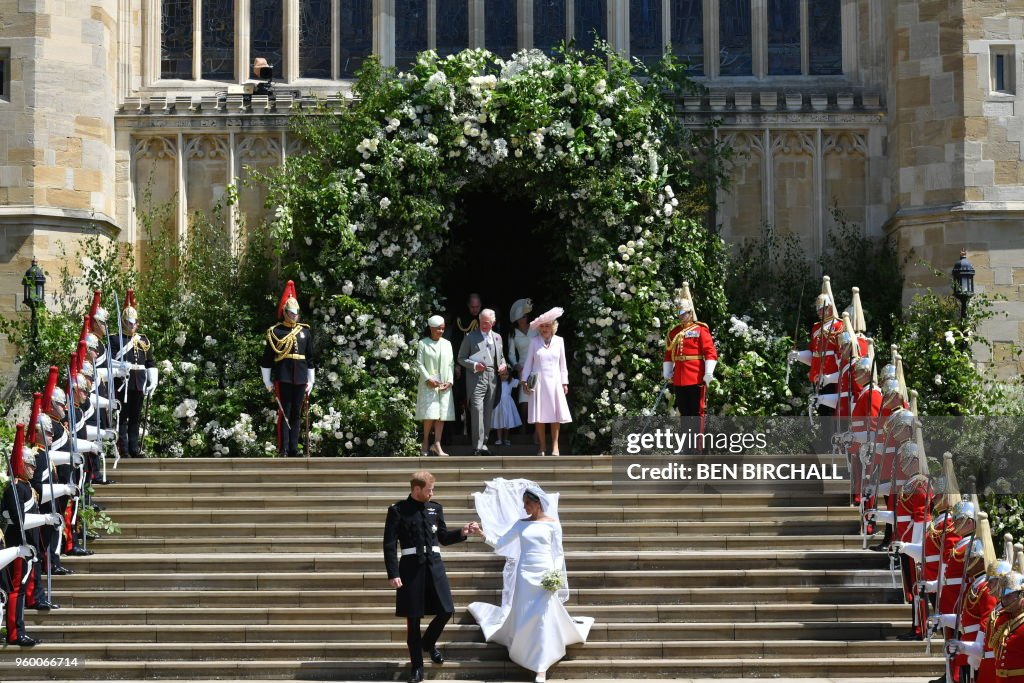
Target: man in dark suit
(483, 358)
(416, 527)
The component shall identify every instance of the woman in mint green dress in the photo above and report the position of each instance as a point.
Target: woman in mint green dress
(434, 364)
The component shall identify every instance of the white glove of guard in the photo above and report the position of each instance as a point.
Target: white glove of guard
(310, 380)
(266, 379)
(152, 378)
(53, 519)
(709, 370)
(26, 552)
(666, 370)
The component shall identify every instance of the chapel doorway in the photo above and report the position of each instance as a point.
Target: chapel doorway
(503, 249)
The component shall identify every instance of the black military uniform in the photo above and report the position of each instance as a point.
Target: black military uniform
(138, 353)
(419, 529)
(290, 354)
(20, 494)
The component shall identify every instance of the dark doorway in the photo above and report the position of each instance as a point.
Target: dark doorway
(501, 248)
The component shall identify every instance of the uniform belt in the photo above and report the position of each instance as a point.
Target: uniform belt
(412, 551)
(679, 358)
(135, 366)
(954, 582)
(904, 518)
(972, 628)
(293, 356)
(990, 655)
(932, 558)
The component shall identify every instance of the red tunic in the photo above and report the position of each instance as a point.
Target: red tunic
(1009, 651)
(994, 627)
(953, 557)
(977, 606)
(912, 503)
(824, 349)
(687, 347)
(932, 540)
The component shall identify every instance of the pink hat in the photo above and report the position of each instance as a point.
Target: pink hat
(548, 317)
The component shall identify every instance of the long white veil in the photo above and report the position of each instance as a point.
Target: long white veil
(500, 506)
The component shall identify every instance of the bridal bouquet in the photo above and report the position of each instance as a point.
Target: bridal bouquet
(552, 580)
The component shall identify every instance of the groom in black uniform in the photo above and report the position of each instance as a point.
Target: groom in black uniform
(417, 526)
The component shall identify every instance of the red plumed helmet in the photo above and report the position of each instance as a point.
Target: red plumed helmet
(37, 404)
(74, 367)
(129, 299)
(81, 353)
(289, 300)
(17, 464)
(95, 303)
(51, 383)
(86, 325)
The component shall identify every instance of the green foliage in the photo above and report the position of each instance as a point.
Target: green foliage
(365, 212)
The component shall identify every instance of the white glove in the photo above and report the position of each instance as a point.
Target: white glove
(883, 516)
(120, 368)
(266, 379)
(931, 586)
(831, 378)
(667, 369)
(152, 377)
(974, 661)
(78, 459)
(53, 519)
(26, 552)
(911, 550)
(973, 648)
(830, 400)
(311, 380)
(799, 356)
(947, 620)
(709, 370)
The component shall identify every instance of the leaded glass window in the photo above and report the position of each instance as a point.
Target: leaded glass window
(688, 33)
(735, 38)
(356, 34)
(176, 39)
(548, 24)
(315, 39)
(500, 27)
(826, 37)
(645, 30)
(266, 33)
(410, 31)
(591, 17)
(452, 26)
(218, 52)
(784, 37)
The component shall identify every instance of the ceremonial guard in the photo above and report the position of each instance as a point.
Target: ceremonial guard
(690, 358)
(414, 532)
(21, 516)
(288, 369)
(821, 354)
(1009, 651)
(136, 352)
(864, 426)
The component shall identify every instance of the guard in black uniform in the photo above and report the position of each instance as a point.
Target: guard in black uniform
(21, 515)
(135, 350)
(416, 527)
(288, 368)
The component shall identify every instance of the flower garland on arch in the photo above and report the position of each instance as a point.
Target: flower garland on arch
(362, 214)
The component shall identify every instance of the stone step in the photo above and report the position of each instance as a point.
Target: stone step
(465, 652)
(398, 489)
(384, 613)
(504, 462)
(483, 561)
(185, 499)
(825, 669)
(308, 544)
(371, 530)
(613, 580)
(594, 513)
(833, 595)
(873, 629)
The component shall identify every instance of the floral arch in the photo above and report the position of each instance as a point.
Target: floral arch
(589, 141)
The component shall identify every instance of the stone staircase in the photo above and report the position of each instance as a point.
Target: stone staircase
(272, 569)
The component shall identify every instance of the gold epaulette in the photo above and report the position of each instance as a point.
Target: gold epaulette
(284, 347)
(141, 343)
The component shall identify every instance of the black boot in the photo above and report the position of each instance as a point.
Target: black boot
(416, 676)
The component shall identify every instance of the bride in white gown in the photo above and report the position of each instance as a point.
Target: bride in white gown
(521, 522)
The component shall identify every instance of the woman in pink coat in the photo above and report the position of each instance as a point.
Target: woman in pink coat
(546, 362)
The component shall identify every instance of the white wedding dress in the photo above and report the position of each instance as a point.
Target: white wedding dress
(531, 622)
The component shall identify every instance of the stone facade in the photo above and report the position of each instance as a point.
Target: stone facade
(910, 137)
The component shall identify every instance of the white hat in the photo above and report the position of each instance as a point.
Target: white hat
(435, 321)
(521, 308)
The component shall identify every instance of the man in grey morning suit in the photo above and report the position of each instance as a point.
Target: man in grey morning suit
(485, 347)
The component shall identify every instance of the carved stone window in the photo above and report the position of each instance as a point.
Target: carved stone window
(176, 46)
